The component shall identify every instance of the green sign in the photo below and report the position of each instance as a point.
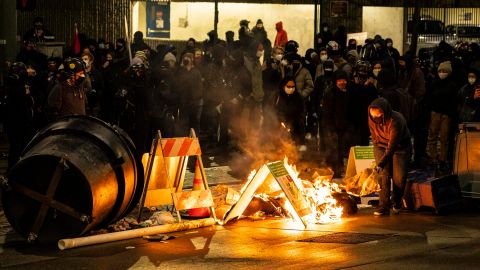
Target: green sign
(277, 169)
(363, 152)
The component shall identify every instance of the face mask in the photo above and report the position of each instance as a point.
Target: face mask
(325, 29)
(323, 58)
(442, 75)
(289, 90)
(375, 72)
(260, 53)
(279, 57)
(389, 45)
(472, 80)
(377, 120)
(101, 46)
(313, 55)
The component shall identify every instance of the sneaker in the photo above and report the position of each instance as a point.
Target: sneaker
(395, 210)
(302, 148)
(381, 212)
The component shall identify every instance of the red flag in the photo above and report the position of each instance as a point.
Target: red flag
(76, 41)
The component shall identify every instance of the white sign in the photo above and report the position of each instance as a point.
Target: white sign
(359, 37)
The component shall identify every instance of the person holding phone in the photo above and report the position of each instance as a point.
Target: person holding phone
(469, 98)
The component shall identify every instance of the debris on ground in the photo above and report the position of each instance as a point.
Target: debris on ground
(158, 237)
(363, 183)
(224, 198)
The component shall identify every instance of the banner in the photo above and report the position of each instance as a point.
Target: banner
(158, 19)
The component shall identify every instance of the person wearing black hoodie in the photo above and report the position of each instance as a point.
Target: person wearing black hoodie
(338, 120)
(392, 151)
(289, 106)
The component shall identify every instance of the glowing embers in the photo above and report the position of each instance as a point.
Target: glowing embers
(313, 199)
(319, 194)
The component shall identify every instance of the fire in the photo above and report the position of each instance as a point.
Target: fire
(285, 127)
(318, 193)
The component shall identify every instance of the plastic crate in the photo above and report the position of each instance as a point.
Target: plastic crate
(442, 194)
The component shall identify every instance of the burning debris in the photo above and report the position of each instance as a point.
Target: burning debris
(364, 183)
(270, 199)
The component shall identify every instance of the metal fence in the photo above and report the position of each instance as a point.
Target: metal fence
(97, 19)
(449, 24)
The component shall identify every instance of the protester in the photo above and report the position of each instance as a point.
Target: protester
(392, 151)
(282, 38)
(290, 110)
(443, 95)
(69, 95)
(338, 120)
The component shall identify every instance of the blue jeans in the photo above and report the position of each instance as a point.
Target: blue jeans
(395, 170)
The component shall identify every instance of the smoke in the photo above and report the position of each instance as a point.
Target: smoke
(260, 138)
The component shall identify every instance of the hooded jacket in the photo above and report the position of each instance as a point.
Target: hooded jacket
(443, 96)
(303, 81)
(337, 105)
(281, 39)
(392, 134)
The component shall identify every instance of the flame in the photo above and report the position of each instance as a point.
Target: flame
(364, 183)
(318, 193)
(285, 127)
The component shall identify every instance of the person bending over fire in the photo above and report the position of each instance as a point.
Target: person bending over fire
(392, 150)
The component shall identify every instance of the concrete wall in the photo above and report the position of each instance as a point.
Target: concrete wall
(297, 20)
(385, 21)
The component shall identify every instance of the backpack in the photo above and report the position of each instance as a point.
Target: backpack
(407, 104)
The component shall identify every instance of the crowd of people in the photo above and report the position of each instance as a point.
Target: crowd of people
(225, 89)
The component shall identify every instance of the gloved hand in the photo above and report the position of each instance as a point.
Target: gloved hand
(378, 169)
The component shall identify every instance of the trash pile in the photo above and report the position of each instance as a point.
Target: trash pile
(363, 183)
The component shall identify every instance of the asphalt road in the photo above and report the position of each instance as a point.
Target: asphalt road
(413, 240)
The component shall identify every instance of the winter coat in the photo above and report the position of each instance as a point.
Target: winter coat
(281, 39)
(188, 85)
(392, 95)
(337, 109)
(239, 82)
(414, 82)
(392, 134)
(304, 82)
(363, 97)
(255, 69)
(289, 108)
(468, 108)
(67, 99)
(443, 96)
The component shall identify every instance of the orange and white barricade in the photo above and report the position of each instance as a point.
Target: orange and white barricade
(165, 169)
